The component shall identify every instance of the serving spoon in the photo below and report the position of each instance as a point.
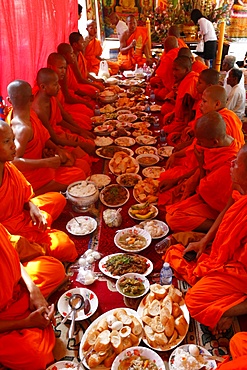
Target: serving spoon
(76, 302)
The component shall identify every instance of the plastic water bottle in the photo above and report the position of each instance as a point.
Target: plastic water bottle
(97, 110)
(152, 97)
(166, 274)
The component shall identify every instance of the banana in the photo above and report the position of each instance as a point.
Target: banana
(144, 217)
(140, 206)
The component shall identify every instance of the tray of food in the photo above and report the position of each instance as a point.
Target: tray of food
(140, 125)
(143, 211)
(132, 239)
(191, 356)
(128, 179)
(107, 109)
(146, 140)
(103, 141)
(115, 265)
(146, 191)
(125, 141)
(146, 160)
(153, 172)
(127, 117)
(165, 151)
(156, 228)
(108, 335)
(122, 163)
(146, 149)
(100, 180)
(142, 131)
(165, 317)
(114, 195)
(81, 225)
(103, 129)
(109, 151)
(132, 285)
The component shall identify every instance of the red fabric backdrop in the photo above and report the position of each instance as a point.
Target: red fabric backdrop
(31, 30)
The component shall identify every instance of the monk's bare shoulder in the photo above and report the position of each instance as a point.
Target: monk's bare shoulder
(22, 129)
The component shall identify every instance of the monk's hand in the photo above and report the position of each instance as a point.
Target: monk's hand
(53, 162)
(199, 156)
(167, 184)
(87, 134)
(39, 318)
(133, 44)
(37, 300)
(198, 247)
(169, 118)
(37, 217)
(62, 155)
(170, 161)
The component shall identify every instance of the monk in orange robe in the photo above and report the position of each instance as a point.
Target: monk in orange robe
(163, 80)
(32, 139)
(48, 110)
(80, 67)
(21, 213)
(93, 51)
(197, 65)
(74, 107)
(186, 96)
(174, 31)
(26, 334)
(218, 275)
(133, 44)
(238, 349)
(197, 201)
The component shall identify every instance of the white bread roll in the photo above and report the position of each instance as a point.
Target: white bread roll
(154, 308)
(116, 341)
(102, 342)
(164, 315)
(176, 310)
(169, 328)
(149, 333)
(122, 315)
(175, 294)
(173, 337)
(136, 327)
(167, 302)
(158, 290)
(160, 339)
(102, 325)
(156, 325)
(181, 325)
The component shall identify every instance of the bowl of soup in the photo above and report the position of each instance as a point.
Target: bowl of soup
(132, 239)
(147, 160)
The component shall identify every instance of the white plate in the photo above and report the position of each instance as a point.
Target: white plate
(141, 132)
(103, 130)
(146, 149)
(61, 365)
(125, 141)
(120, 178)
(155, 108)
(83, 220)
(128, 74)
(153, 172)
(116, 135)
(139, 90)
(125, 125)
(132, 231)
(139, 351)
(159, 223)
(168, 346)
(210, 363)
(165, 151)
(139, 125)
(153, 208)
(103, 261)
(127, 117)
(122, 202)
(137, 277)
(95, 323)
(103, 141)
(100, 180)
(155, 159)
(146, 140)
(127, 150)
(64, 307)
(134, 164)
(123, 111)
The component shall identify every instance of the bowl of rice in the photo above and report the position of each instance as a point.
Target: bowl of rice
(81, 225)
(82, 194)
(191, 357)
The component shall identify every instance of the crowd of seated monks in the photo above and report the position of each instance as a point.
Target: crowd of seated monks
(47, 143)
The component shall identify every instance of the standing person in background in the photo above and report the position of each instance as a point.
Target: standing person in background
(208, 34)
(121, 26)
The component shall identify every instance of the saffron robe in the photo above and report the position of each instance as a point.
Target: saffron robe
(92, 52)
(212, 193)
(198, 66)
(134, 55)
(15, 192)
(29, 349)
(219, 279)
(238, 349)
(186, 86)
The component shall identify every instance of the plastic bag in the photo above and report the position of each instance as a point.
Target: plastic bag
(103, 69)
(200, 46)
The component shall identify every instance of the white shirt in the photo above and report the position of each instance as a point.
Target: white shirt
(121, 27)
(236, 100)
(207, 30)
(227, 87)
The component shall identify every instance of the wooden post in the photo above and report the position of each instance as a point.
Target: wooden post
(220, 45)
(149, 34)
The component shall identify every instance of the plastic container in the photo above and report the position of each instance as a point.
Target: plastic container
(152, 97)
(97, 110)
(166, 274)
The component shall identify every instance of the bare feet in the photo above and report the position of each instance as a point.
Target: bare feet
(223, 325)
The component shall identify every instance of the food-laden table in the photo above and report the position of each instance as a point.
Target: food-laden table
(102, 240)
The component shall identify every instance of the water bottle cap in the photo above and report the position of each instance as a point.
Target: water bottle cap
(166, 265)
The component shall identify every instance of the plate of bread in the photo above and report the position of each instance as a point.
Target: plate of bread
(109, 335)
(146, 191)
(122, 163)
(165, 317)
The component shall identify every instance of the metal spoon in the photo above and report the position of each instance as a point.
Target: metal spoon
(74, 218)
(76, 301)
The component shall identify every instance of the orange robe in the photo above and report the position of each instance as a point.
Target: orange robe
(92, 53)
(212, 193)
(34, 150)
(29, 349)
(198, 66)
(238, 349)
(186, 86)
(82, 64)
(134, 56)
(15, 192)
(219, 278)
(164, 75)
(182, 44)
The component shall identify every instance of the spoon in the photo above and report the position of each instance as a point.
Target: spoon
(74, 218)
(76, 301)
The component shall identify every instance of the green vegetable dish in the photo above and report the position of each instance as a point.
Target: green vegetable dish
(131, 287)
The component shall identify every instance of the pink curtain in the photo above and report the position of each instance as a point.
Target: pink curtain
(29, 31)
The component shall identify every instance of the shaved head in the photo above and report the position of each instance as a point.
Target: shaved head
(74, 37)
(171, 42)
(19, 92)
(216, 93)
(3, 126)
(64, 48)
(53, 58)
(45, 76)
(183, 62)
(174, 31)
(185, 52)
(210, 126)
(210, 76)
